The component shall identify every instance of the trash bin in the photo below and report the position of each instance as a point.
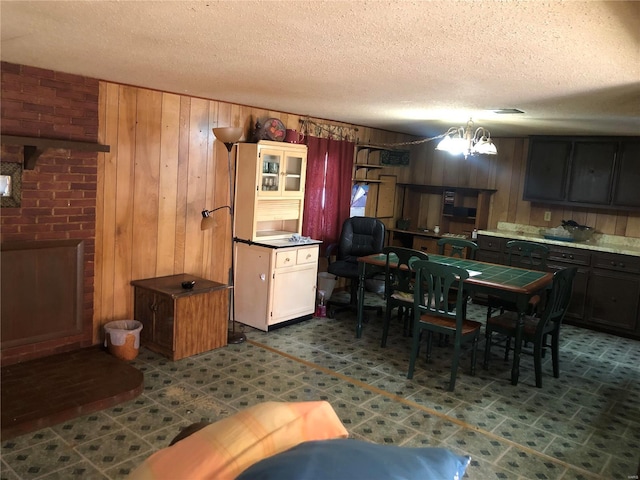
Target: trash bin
(122, 338)
(326, 282)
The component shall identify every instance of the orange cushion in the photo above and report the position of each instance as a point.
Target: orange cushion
(226, 448)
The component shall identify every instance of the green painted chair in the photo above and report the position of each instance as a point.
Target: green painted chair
(536, 328)
(457, 247)
(399, 285)
(432, 314)
(522, 254)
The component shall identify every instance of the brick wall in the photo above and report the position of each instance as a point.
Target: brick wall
(58, 198)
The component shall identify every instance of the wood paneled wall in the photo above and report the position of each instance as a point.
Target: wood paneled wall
(505, 173)
(164, 168)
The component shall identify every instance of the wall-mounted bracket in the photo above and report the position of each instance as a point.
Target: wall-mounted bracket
(35, 146)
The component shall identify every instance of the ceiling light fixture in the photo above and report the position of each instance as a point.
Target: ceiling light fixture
(466, 141)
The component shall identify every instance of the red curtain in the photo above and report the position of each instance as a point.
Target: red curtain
(329, 168)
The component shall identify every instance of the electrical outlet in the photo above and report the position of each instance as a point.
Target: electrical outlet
(547, 216)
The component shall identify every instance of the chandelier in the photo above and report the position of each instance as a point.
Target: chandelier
(464, 140)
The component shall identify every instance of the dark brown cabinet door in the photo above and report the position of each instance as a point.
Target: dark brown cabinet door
(577, 306)
(490, 249)
(626, 190)
(156, 313)
(592, 172)
(143, 312)
(164, 319)
(613, 299)
(547, 170)
(564, 257)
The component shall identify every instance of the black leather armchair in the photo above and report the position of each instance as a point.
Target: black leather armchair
(360, 236)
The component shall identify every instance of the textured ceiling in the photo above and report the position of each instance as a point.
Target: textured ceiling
(408, 66)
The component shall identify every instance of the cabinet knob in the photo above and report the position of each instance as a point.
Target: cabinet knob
(308, 255)
(287, 259)
(613, 264)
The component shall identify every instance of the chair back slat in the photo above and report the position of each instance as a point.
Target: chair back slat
(434, 283)
(399, 274)
(557, 301)
(459, 247)
(530, 255)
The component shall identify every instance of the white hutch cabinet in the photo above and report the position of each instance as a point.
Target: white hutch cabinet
(275, 278)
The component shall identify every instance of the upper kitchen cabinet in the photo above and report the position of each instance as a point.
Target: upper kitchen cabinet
(281, 169)
(269, 190)
(584, 171)
(547, 170)
(626, 192)
(592, 168)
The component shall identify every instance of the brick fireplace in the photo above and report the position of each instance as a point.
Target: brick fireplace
(58, 195)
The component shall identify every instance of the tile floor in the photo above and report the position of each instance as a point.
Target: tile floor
(584, 425)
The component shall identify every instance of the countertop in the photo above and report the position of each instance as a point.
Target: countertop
(599, 242)
(282, 242)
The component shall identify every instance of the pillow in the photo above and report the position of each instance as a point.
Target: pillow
(225, 448)
(351, 459)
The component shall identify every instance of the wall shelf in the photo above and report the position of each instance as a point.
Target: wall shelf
(358, 166)
(36, 146)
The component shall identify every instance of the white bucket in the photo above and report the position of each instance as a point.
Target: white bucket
(326, 283)
(122, 338)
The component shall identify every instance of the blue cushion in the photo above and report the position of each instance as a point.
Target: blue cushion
(354, 459)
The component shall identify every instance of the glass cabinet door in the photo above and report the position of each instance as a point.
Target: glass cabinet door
(270, 174)
(293, 175)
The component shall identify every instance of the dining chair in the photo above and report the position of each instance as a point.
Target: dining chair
(536, 328)
(522, 254)
(360, 236)
(432, 314)
(457, 247)
(399, 286)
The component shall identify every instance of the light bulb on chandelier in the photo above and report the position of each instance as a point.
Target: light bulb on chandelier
(466, 141)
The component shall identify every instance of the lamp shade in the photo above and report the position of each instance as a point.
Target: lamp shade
(207, 223)
(228, 134)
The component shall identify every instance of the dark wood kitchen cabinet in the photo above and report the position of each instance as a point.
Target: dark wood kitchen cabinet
(626, 193)
(490, 249)
(584, 171)
(560, 258)
(606, 289)
(547, 170)
(592, 168)
(614, 292)
(179, 322)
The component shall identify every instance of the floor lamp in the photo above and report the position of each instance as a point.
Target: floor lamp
(229, 136)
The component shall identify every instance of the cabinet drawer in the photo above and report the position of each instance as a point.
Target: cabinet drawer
(569, 255)
(307, 255)
(286, 258)
(619, 263)
(429, 245)
(494, 244)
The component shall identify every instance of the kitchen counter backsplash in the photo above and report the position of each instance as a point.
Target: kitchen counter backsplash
(599, 242)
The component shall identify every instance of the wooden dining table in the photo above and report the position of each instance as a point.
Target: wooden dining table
(513, 284)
